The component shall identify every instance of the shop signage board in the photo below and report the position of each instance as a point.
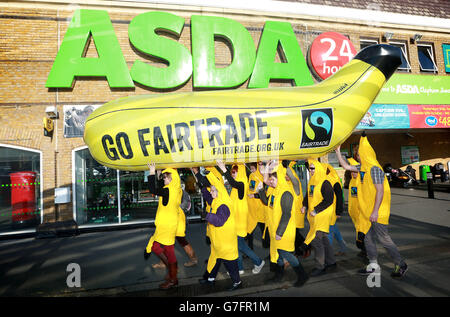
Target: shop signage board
(257, 66)
(328, 53)
(415, 89)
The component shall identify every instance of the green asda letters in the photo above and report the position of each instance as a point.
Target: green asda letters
(146, 35)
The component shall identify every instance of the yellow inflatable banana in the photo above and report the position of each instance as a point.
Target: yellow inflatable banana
(243, 125)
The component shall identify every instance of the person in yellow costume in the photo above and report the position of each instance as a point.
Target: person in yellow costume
(335, 181)
(374, 198)
(353, 208)
(237, 178)
(294, 181)
(185, 206)
(318, 203)
(166, 221)
(256, 212)
(281, 222)
(221, 229)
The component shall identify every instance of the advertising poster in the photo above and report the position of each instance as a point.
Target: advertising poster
(446, 53)
(381, 116)
(410, 154)
(74, 119)
(429, 116)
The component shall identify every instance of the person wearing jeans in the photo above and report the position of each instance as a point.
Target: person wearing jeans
(237, 178)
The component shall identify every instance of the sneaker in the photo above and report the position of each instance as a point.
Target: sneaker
(241, 272)
(235, 286)
(258, 268)
(399, 270)
(365, 271)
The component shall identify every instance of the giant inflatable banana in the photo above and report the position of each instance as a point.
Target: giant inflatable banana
(243, 125)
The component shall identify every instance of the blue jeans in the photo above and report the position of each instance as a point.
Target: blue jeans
(244, 248)
(334, 232)
(288, 256)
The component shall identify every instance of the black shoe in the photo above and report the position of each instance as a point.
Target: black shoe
(278, 276)
(317, 272)
(206, 282)
(235, 286)
(146, 255)
(399, 271)
(329, 267)
(302, 277)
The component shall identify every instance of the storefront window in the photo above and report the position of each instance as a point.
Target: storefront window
(20, 189)
(96, 200)
(108, 196)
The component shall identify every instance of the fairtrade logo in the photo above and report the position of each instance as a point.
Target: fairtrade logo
(431, 121)
(354, 191)
(361, 175)
(317, 128)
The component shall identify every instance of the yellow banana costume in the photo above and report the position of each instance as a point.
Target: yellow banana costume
(240, 206)
(224, 243)
(353, 205)
(220, 178)
(287, 242)
(298, 200)
(242, 125)
(167, 217)
(255, 206)
(366, 197)
(333, 178)
(322, 220)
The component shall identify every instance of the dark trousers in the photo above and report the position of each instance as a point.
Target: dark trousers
(230, 266)
(265, 240)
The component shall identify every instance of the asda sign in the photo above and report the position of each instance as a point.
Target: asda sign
(146, 35)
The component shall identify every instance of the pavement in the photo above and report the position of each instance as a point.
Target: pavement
(112, 263)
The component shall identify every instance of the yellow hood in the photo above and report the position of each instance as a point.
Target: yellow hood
(366, 153)
(176, 181)
(320, 171)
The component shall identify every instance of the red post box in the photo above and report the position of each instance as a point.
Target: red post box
(23, 196)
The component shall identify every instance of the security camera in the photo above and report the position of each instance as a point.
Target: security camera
(51, 112)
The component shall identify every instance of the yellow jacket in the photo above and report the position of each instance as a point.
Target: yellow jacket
(255, 206)
(287, 242)
(240, 206)
(298, 200)
(166, 220)
(322, 220)
(224, 243)
(366, 196)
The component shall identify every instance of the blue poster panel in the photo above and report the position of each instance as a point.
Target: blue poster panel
(382, 116)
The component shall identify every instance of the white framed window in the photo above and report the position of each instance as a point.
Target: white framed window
(21, 202)
(425, 53)
(405, 66)
(363, 43)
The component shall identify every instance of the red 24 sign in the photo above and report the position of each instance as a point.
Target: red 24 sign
(328, 53)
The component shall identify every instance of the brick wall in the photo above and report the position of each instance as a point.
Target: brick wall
(28, 45)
